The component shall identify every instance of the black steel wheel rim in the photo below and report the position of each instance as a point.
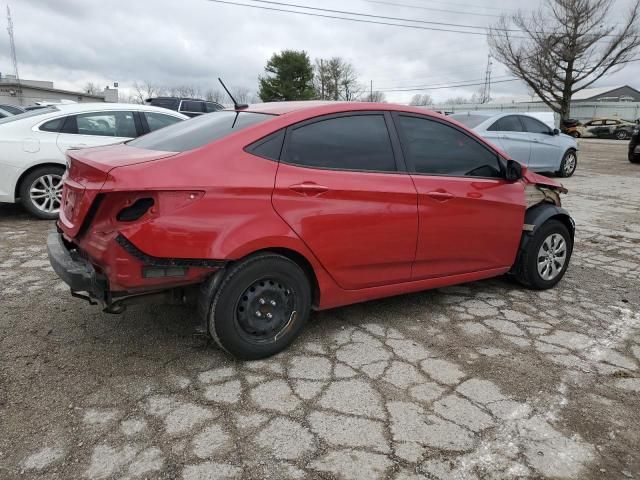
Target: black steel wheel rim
(265, 310)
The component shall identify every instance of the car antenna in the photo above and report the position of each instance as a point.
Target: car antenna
(236, 105)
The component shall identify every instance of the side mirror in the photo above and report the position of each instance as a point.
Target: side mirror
(556, 131)
(514, 171)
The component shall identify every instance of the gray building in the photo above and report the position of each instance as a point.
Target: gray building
(29, 92)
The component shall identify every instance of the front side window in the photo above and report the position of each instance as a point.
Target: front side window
(191, 106)
(156, 120)
(532, 125)
(434, 148)
(213, 107)
(510, 123)
(199, 131)
(359, 142)
(105, 124)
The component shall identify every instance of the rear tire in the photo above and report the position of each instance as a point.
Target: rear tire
(569, 164)
(261, 306)
(621, 135)
(546, 257)
(41, 192)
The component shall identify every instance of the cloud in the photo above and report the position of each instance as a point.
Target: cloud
(192, 42)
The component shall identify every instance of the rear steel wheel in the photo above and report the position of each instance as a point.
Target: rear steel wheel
(260, 307)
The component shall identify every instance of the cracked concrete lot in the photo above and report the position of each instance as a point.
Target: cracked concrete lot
(485, 380)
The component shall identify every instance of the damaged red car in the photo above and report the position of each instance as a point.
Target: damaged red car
(261, 214)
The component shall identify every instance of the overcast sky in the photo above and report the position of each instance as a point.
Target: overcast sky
(192, 42)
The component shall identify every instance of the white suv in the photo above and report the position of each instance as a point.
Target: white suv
(33, 145)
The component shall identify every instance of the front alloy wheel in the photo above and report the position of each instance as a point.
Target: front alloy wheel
(621, 135)
(551, 256)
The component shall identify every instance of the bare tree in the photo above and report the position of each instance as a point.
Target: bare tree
(145, 90)
(375, 96)
(241, 94)
(215, 95)
(421, 100)
(187, 91)
(336, 79)
(459, 100)
(564, 47)
(91, 88)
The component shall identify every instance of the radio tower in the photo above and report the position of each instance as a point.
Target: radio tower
(486, 91)
(13, 53)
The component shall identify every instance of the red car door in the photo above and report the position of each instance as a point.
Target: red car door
(339, 188)
(470, 217)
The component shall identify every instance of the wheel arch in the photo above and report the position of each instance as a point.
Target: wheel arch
(23, 175)
(540, 213)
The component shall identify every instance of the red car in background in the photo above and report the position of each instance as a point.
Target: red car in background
(264, 213)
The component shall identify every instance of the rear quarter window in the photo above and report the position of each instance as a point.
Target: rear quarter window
(199, 131)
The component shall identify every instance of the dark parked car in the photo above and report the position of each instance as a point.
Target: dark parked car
(191, 107)
(634, 144)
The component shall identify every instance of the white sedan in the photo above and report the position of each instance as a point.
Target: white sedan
(33, 145)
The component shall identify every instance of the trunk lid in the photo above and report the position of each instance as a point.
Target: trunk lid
(88, 169)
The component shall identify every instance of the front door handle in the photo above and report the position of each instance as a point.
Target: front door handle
(309, 188)
(441, 196)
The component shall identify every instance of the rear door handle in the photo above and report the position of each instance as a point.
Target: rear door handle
(440, 196)
(309, 188)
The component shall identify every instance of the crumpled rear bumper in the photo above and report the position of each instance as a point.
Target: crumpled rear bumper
(75, 271)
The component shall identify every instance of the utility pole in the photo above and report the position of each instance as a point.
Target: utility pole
(321, 80)
(486, 91)
(371, 94)
(13, 53)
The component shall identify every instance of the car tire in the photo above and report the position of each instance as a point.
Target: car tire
(621, 135)
(261, 306)
(41, 191)
(568, 164)
(545, 258)
(575, 134)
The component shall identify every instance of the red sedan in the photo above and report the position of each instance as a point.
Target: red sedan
(264, 213)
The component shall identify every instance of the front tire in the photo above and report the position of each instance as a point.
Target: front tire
(546, 257)
(41, 192)
(569, 164)
(261, 306)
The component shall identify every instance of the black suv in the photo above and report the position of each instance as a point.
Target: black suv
(634, 144)
(191, 107)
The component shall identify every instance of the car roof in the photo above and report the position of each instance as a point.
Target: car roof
(321, 107)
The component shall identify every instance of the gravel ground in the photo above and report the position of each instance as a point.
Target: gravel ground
(484, 380)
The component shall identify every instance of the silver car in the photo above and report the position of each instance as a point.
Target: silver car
(526, 139)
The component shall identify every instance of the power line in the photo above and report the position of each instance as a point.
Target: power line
(359, 20)
(466, 5)
(432, 9)
(383, 17)
(448, 86)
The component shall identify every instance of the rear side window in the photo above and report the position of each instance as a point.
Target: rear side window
(532, 125)
(269, 147)
(434, 148)
(156, 120)
(199, 131)
(192, 106)
(510, 123)
(52, 125)
(359, 142)
(469, 120)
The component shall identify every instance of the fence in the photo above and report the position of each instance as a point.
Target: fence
(579, 110)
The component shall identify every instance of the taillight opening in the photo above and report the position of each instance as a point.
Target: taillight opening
(136, 210)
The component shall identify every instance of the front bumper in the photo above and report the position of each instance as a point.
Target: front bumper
(75, 271)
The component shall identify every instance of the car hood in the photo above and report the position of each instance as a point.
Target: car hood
(537, 179)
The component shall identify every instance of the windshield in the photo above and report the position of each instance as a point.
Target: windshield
(468, 119)
(199, 131)
(30, 113)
